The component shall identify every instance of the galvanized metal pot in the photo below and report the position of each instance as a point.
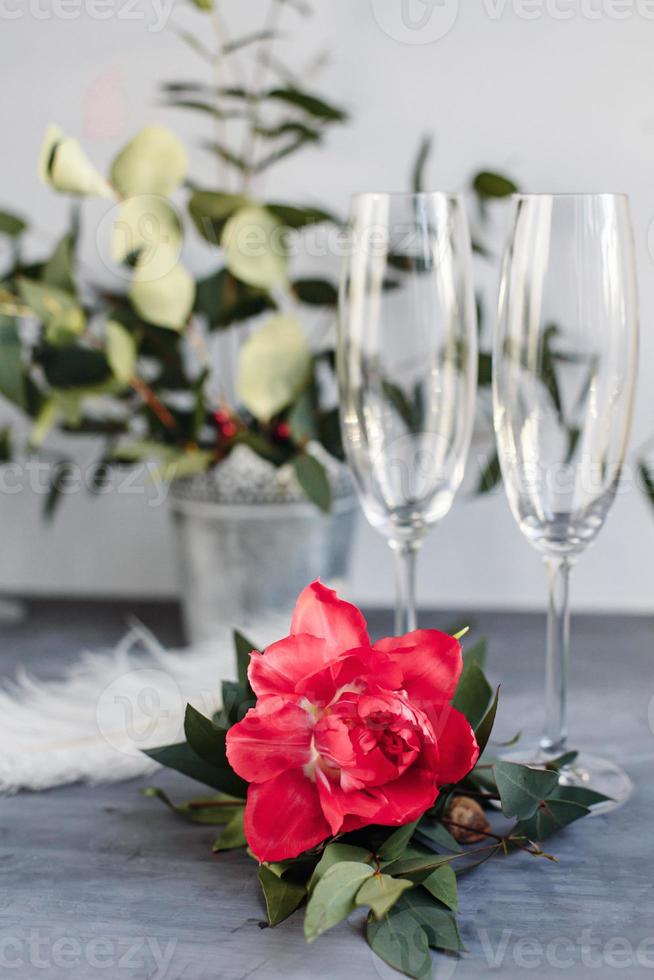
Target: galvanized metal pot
(247, 546)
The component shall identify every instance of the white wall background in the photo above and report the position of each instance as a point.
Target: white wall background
(557, 93)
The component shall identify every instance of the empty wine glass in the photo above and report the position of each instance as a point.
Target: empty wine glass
(564, 373)
(407, 363)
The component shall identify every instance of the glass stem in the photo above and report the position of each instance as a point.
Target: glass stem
(405, 584)
(558, 643)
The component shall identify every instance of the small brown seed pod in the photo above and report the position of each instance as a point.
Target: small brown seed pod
(466, 820)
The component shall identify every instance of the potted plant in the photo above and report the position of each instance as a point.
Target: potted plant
(214, 377)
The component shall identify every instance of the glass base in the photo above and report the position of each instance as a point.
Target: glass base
(588, 770)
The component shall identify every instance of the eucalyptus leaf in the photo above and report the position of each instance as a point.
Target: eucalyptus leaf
(395, 845)
(487, 184)
(316, 292)
(282, 897)
(59, 269)
(144, 222)
(401, 942)
(333, 897)
(254, 248)
(162, 290)
(153, 162)
(64, 165)
(312, 477)
(210, 211)
(381, 892)
(521, 788)
(120, 348)
(274, 365)
(335, 853)
(441, 883)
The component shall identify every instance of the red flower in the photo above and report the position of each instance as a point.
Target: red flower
(344, 733)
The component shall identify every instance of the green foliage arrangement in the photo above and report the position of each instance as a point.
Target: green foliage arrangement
(133, 367)
(406, 877)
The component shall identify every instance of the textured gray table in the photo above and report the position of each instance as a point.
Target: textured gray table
(106, 883)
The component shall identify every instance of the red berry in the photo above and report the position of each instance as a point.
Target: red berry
(221, 416)
(283, 430)
(228, 430)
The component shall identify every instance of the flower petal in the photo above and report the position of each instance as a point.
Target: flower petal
(359, 670)
(346, 810)
(283, 817)
(283, 664)
(320, 612)
(457, 745)
(272, 738)
(407, 798)
(431, 663)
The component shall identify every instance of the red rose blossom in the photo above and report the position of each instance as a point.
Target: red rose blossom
(345, 733)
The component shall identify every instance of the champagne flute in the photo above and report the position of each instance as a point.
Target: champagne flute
(407, 367)
(564, 374)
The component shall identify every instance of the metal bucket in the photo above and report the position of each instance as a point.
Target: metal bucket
(239, 561)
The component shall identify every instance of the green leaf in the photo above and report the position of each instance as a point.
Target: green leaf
(64, 165)
(210, 211)
(312, 477)
(237, 700)
(395, 845)
(473, 694)
(302, 416)
(335, 853)
(401, 942)
(487, 184)
(424, 150)
(209, 742)
(282, 897)
(550, 817)
(274, 366)
(162, 290)
(144, 223)
(56, 308)
(381, 892)
(485, 726)
(578, 794)
(522, 788)
(254, 248)
(225, 300)
(309, 103)
(476, 653)
(59, 270)
(182, 758)
(243, 648)
(211, 810)
(74, 367)
(295, 217)
(233, 836)
(120, 348)
(11, 224)
(438, 921)
(333, 898)
(441, 883)
(315, 292)
(435, 832)
(12, 379)
(153, 162)
(561, 761)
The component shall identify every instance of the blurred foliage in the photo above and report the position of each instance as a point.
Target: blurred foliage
(133, 367)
